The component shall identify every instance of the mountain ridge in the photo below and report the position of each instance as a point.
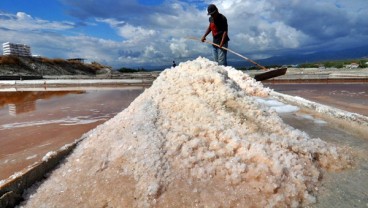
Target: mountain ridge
(327, 55)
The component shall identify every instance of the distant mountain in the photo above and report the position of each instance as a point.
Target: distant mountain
(352, 53)
(295, 58)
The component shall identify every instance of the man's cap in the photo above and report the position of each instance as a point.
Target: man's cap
(211, 9)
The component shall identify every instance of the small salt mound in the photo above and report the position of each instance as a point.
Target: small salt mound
(197, 137)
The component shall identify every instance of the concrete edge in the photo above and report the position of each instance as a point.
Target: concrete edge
(75, 82)
(319, 80)
(12, 188)
(71, 88)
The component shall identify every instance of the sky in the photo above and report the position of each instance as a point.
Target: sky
(143, 33)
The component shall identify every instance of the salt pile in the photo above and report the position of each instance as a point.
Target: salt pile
(197, 137)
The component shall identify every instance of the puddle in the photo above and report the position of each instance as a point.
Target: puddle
(35, 122)
(352, 97)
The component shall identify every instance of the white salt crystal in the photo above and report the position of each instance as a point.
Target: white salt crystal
(49, 155)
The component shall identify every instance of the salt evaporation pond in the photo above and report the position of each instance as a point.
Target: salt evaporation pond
(199, 136)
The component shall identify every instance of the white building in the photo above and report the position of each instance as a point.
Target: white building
(352, 66)
(16, 49)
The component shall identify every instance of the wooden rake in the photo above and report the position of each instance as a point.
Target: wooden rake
(259, 77)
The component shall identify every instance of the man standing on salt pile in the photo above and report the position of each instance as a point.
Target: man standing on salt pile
(218, 27)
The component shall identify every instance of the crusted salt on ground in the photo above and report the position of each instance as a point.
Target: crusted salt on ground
(197, 137)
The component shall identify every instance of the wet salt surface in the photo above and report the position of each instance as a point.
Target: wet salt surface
(200, 136)
(34, 123)
(352, 97)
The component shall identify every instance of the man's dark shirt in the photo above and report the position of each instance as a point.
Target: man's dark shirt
(218, 27)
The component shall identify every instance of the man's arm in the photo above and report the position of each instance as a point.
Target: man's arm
(205, 34)
(223, 38)
(224, 27)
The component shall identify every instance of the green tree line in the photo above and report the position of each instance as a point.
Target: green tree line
(130, 70)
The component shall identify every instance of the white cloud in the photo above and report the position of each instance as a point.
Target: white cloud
(179, 48)
(23, 16)
(25, 22)
(131, 32)
(256, 28)
(288, 37)
(111, 21)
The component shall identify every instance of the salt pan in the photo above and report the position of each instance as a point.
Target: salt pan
(197, 137)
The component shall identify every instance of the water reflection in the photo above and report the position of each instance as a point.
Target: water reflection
(18, 108)
(47, 120)
(24, 102)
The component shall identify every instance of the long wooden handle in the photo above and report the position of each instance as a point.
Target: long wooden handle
(231, 51)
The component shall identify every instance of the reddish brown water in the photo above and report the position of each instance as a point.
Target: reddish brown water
(34, 123)
(352, 97)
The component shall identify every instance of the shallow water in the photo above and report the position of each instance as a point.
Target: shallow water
(352, 97)
(34, 123)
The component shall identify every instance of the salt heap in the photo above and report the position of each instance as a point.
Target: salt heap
(196, 137)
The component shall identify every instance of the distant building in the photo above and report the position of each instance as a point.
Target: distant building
(352, 66)
(16, 49)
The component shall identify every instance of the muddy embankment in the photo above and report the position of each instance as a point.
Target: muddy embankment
(31, 68)
(25, 67)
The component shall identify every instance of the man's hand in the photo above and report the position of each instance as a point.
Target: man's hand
(203, 38)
